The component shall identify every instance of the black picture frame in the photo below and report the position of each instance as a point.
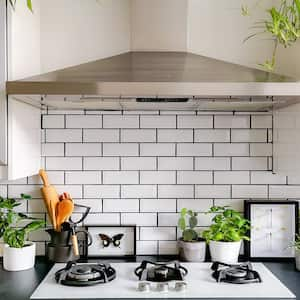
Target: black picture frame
(127, 256)
(247, 214)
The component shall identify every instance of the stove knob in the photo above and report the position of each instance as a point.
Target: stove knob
(144, 286)
(180, 286)
(162, 287)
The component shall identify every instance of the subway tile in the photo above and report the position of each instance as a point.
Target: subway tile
(162, 149)
(14, 191)
(195, 121)
(101, 191)
(84, 177)
(175, 135)
(141, 112)
(261, 177)
(158, 205)
(55, 177)
(249, 191)
(212, 135)
(212, 163)
(53, 149)
(86, 149)
(138, 163)
(64, 112)
(167, 248)
(157, 177)
(212, 191)
(261, 121)
(63, 163)
(94, 204)
(101, 163)
(293, 179)
(102, 219)
(175, 163)
(250, 163)
(36, 206)
(120, 177)
(100, 135)
(85, 121)
(138, 135)
(158, 233)
(177, 112)
(175, 191)
(237, 121)
(284, 191)
(226, 149)
(189, 149)
(249, 135)
(231, 177)
(237, 204)
(121, 205)
(146, 248)
(195, 204)
(158, 121)
(63, 135)
(120, 121)
(168, 219)
(194, 177)
(103, 112)
(120, 149)
(261, 149)
(75, 191)
(139, 219)
(53, 121)
(138, 191)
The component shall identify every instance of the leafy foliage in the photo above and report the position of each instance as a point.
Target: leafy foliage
(283, 25)
(188, 232)
(10, 222)
(228, 225)
(29, 4)
(296, 244)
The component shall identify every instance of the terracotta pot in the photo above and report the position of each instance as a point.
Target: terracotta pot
(226, 252)
(192, 251)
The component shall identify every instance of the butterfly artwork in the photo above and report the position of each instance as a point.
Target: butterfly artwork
(114, 240)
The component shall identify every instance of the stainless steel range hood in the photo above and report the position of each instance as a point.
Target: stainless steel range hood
(165, 80)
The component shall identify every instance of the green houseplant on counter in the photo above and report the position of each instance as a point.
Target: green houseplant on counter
(191, 247)
(225, 234)
(296, 246)
(18, 252)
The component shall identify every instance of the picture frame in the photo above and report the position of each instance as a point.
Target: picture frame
(116, 242)
(274, 225)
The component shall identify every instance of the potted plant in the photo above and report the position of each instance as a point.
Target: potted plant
(191, 246)
(225, 234)
(18, 252)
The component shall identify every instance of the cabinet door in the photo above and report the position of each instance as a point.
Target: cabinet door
(24, 139)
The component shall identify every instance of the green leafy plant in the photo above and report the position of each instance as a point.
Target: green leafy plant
(10, 222)
(189, 234)
(282, 25)
(29, 4)
(296, 244)
(228, 225)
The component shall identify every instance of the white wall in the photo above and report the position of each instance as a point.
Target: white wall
(24, 41)
(77, 31)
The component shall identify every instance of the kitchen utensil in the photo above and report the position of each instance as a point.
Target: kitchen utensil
(50, 196)
(67, 226)
(64, 209)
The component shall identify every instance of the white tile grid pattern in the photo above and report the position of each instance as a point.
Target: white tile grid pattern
(132, 167)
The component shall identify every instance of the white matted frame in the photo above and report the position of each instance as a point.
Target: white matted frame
(127, 247)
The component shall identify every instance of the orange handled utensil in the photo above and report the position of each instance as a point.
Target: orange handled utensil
(64, 210)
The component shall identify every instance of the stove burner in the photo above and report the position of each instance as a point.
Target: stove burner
(85, 274)
(238, 274)
(160, 272)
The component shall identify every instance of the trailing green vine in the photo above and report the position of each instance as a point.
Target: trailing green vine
(282, 24)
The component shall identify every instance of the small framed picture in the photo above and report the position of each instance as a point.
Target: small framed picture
(112, 241)
(274, 224)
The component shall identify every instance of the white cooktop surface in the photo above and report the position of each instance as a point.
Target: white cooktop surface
(199, 280)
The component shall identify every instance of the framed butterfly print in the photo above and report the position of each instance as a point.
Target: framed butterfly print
(112, 241)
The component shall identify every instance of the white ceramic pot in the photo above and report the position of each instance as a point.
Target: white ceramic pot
(226, 252)
(19, 259)
(192, 251)
(297, 259)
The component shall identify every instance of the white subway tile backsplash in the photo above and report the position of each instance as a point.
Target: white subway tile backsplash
(249, 191)
(63, 163)
(158, 233)
(158, 121)
(284, 191)
(55, 177)
(195, 122)
(158, 205)
(212, 163)
(53, 121)
(139, 219)
(212, 135)
(162, 149)
(138, 135)
(138, 163)
(14, 191)
(101, 191)
(232, 177)
(101, 163)
(94, 204)
(249, 135)
(175, 163)
(250, 163)
(138, 191)
(120, 121)
(175, 135)
(83, 177)
(75, 191)
(120, 177)
(261, 121)
(175, 191)
(212, 191)
(189, 149)
(157, 177)
(85, 121)
(222, 149)
(63, 135)
(194, 177)
(261, 177)
(197, 205)
(237, 204)
(53, 149)
(120, 149)
(236, 121)
(83, 149)
(103, 219)
(261, 149)
(121, 205)
(101, 135)
(167, 248)
(147, 247)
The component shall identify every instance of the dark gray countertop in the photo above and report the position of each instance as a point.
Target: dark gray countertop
(20, 285)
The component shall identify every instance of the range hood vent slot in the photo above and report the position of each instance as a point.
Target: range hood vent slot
(162, 100)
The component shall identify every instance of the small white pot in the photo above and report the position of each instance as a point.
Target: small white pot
(225, 252)
(19, 259)
(191, 251)
(297, 259)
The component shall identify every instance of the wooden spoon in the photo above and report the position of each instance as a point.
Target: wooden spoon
(64, 209)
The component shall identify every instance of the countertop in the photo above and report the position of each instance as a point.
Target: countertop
(20, 285)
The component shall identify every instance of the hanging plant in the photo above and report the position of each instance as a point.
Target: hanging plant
(282, 24)
(29, 4)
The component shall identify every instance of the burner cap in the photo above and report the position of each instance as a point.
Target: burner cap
(237, 273)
